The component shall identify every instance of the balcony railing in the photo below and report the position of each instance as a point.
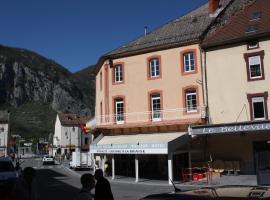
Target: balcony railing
(156, 116)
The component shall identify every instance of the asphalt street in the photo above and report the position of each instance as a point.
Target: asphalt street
(58, 182)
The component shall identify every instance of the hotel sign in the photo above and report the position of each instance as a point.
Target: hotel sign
(239, 128)
(155, 148)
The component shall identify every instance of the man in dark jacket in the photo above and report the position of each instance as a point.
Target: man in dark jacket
(103, 188)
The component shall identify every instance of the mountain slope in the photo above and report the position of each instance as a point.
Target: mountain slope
(34, 88)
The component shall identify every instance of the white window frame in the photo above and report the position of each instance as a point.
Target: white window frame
(156, 64)
(118, 73)
(189, 62)
(188, 109)
(258, 100)
(155, 112)
(118, 102)
(249, 65)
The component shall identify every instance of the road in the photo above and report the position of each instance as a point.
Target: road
(59, 182)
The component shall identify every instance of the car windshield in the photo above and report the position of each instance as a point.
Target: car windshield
(6, 167)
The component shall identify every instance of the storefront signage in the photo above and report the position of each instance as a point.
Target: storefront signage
(160, 148)
(230, 129)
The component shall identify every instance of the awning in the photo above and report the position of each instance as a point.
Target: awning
(157, 143)
(231, 128)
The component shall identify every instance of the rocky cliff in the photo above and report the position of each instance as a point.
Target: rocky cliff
(34, 88)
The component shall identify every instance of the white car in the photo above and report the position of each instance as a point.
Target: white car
(48, 160)
(7, 170)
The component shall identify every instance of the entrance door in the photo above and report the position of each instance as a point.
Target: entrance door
(180, 161)
(262, 156)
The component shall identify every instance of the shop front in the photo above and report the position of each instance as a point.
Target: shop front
(150, 156)
(237, 147)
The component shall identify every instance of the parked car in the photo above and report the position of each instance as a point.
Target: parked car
(7, 171)
(216, 193)
(47, 160)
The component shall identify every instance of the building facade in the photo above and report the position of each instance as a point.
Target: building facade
(4, 133)
(68, 134)
(237, 61)
(147, 94)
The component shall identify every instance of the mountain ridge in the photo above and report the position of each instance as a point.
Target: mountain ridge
(36, 88)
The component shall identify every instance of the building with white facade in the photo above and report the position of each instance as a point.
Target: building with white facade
(4, 130)
(68, 135)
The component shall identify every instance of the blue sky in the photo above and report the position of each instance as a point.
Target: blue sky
(75, 33)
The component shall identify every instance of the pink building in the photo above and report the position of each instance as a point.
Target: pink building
(148, 92)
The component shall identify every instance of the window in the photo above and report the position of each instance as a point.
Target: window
(255, 67)
(191, 101)
(252, 45)
(255, 16)
(119, 110)
(156, 107)
(251, 29)
(189, 62)
(258, 106)
(86, 140)
(101, 113)
(100, 78)
(154, 67)
(254, 64)
(118, 73)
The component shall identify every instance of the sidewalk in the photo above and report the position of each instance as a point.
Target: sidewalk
(249, 180)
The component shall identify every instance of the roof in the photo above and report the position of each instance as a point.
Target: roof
(184, 30)
(4, 116)
(71, 119)
(240, 27)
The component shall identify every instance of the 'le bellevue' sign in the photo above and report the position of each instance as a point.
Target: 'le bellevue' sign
(230, 129)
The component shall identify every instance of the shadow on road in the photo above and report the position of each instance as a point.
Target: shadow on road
(51, 186)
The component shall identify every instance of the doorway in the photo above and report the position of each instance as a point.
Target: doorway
(180, 161)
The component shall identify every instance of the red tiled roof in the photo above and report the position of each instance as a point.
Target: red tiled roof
(72, 119)
(235, 30)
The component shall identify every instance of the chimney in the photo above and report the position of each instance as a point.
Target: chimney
(145, 31)
(213, 6)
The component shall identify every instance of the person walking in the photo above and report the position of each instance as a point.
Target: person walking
(26, 186)
(103, 188)
(88, 183)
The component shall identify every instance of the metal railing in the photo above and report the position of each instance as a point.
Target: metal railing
(156, 116)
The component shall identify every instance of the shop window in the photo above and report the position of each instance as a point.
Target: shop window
(255, 66)
(154, 67)
(258, 106)
(119, 110)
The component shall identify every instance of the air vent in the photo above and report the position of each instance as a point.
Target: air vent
(251, 29)
(255, 16)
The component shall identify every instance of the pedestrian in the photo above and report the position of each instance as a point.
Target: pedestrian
(26, 185)
(18, 169)
(88, 183)
(103, 188)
